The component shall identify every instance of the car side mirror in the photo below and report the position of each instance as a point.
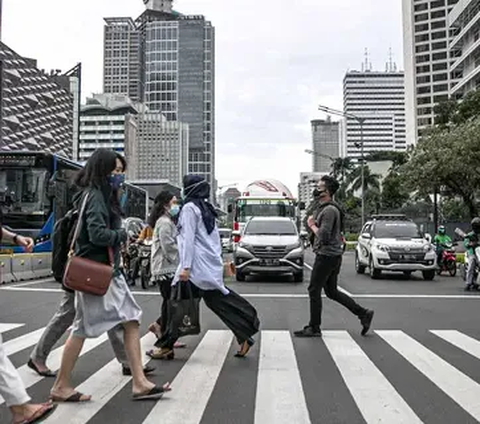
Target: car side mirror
(428, 237)
(230, 208)
(366, 236)
(304, 235)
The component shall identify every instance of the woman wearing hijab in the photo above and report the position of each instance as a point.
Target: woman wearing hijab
(200, 263)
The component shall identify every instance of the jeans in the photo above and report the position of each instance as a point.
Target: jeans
(325, 276)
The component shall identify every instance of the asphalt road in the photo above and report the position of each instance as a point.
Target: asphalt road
(420, 363)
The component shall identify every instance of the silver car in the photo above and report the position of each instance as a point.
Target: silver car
(269, 246)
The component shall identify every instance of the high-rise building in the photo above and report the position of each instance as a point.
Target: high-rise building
(108, 121)
(464, 25)
(162, 149)
(122, 59)
(427, 60)
(36, 109)
(177, 73)
(378, 100)
(326, 144)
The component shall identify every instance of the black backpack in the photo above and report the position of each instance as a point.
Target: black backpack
(61, 239)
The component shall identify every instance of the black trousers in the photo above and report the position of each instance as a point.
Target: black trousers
(234, 310)
(325, 276)
(165, 287)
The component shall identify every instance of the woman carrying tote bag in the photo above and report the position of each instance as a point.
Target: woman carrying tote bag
(100, 234)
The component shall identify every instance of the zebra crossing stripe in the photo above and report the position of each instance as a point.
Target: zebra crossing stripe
(194, 384)
(29, 377)
(460, 340)
(461, 388)
(8, 327)
(376, 398)
(23, 342)
(280, 397)
(103, 386)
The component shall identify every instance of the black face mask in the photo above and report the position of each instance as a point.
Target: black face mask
(316, 193)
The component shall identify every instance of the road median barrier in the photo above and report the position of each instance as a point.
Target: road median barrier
(6, 275)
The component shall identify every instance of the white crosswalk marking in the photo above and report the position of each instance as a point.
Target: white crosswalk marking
(194, 384)
(460, 340)
(280, 397)
(23, 342)
(8, 327)
(103, 386)
(375, 397)
(461, 388)
(29, 377)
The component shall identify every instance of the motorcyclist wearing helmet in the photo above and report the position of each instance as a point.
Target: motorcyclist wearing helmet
(471, 242)
(442, 242)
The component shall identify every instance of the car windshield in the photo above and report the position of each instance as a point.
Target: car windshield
(397, 230)
(286, 228)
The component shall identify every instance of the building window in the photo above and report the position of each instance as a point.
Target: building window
(440, 77)
(421, 38)
(440, 87)
(439, 46)
(422, 49)
(438, 35)
(423, 69)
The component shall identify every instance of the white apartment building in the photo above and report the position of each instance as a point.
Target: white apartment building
(308, 182)
(464, 24)
(108, 121)
(162, 149)
(377, 99)
(427, 60)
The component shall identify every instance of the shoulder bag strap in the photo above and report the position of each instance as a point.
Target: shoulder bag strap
(78, 226)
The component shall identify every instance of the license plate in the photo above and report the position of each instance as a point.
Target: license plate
(409, 257)
(270, 262)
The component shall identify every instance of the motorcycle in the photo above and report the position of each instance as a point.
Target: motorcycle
(144, 254)
(464, 266)
(449, 260)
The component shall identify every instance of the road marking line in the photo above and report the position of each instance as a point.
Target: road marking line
(460, 340)
(103, 386)
(29, 377)
(282, 295)
(23, 342)
(461, 388)
(280, 397)
(195, 382)
(376, 398)
(8, 327)
(34, 282)
(309, 267)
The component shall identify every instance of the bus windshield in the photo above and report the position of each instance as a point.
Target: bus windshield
(274, 208)
(23, 191)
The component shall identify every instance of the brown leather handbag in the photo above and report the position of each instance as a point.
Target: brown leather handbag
(85, 275)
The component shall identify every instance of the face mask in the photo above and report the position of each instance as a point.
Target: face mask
(316, 193)
(116, 180)
(174, 210)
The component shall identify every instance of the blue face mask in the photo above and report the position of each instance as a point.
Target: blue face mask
(174, 210)
(116, 180)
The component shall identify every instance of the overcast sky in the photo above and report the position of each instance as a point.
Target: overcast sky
(276, 60)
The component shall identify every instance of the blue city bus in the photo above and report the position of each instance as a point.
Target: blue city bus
(37, 188)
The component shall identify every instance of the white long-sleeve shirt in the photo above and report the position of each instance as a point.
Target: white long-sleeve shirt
(199, 251)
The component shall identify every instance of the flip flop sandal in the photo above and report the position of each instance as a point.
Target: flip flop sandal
(154, 394)
(158, 354)
(45, 411)
(245, 348)
(76, 397)
(48, 373)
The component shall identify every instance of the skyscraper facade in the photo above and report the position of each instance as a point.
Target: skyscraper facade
(36, 108)
(378, 99)
(326, 144)
(177, 75)
(427, 59)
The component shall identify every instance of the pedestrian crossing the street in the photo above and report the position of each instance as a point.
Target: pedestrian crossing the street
(374, 380)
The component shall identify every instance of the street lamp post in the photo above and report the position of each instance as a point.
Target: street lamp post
(361, 121)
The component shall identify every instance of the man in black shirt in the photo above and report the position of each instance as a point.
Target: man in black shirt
(327, 225)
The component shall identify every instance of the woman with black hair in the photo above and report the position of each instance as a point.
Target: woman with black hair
(200, 263)
(99, 230)
(164, 259)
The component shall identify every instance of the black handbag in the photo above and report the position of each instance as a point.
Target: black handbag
(184, 311)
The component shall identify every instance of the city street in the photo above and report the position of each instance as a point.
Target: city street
(419, 364)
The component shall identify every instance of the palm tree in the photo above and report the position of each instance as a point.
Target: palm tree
(371, 181)
(341, 168)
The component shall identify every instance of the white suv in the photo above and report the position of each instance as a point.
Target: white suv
(394, 243)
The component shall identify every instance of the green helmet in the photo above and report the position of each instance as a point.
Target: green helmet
(441, 230)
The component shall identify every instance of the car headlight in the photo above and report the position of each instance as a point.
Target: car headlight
(428, 248)
(294, 246)
(245, 246)
(382, 247)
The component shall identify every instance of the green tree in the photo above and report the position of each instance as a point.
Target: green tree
(371, 180)
(448, 159)
(394, 191)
